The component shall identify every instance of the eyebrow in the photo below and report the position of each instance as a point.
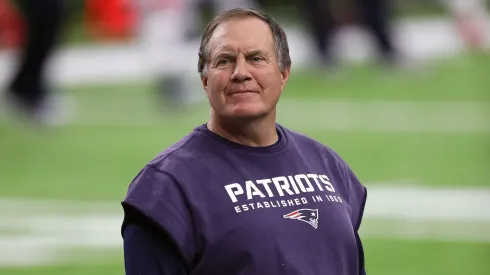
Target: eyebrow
(255, 52)
(227, 54)
(224, 55)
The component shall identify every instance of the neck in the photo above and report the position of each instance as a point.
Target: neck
(254, 133)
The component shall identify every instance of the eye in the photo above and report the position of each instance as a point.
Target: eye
(257, 58)
(222, 62)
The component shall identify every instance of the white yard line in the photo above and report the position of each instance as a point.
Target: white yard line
(386, 116)
(334, 115)
(414, 212)
(34, 232)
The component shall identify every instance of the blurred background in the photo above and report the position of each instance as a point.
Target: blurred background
(91, 90)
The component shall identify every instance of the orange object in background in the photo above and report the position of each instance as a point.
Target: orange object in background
(11, 26)
(111, 19)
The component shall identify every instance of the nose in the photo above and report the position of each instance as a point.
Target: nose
(241, 72)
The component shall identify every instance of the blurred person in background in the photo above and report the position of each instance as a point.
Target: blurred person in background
(471, 19)
(157, 27)
(323, 20)
(172, 25)
(194, 11)
(29, 92)
(161, 34)
(237, 194)
(163, 37)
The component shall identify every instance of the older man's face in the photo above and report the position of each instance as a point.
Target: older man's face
(243, 79)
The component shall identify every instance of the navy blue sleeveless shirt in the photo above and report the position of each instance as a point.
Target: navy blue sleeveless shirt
(291, 208)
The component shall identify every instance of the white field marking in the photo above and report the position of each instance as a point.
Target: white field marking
(415, 212)
(335, 115)
(386, 116)
(34, 232)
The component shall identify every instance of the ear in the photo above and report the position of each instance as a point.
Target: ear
(284, 77)
(204, 81)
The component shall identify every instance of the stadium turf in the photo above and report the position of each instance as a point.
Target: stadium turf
(117, 130)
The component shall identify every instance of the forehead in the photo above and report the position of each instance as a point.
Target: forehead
(242, 34)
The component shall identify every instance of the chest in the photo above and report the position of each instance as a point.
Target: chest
(280, 201)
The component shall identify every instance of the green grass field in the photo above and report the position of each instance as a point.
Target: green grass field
(117, 130)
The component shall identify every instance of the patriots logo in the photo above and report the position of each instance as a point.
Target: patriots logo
(309, 216)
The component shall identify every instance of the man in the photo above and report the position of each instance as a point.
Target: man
(242, 194)
(29, 91)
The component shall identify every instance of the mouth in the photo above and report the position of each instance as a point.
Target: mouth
(243, 92)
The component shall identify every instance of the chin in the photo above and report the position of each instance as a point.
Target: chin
(247, 111)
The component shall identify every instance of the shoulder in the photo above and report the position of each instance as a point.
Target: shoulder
(300, 139)
(159, 172)
(189, 149)
(307, 142)
(326, 152)
(181, 164)
(157, 191)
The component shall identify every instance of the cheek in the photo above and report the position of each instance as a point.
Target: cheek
(217, 83)
(270, 83)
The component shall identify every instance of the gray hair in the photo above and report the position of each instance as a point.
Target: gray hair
(281, 46)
